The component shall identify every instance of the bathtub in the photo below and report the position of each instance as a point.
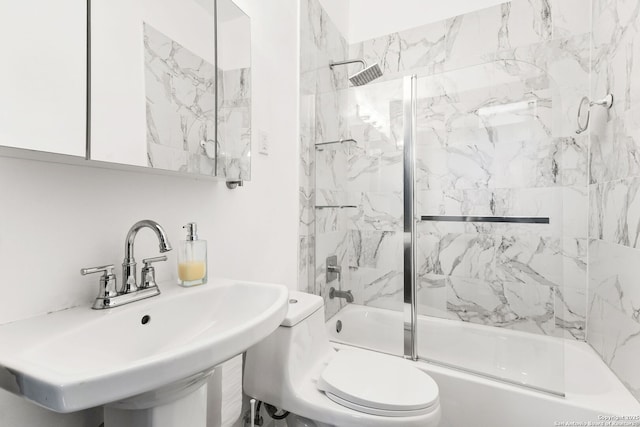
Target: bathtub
(526, 380)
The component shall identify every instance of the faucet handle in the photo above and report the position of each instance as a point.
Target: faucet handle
(149, 272)
(148, 261)
(107, 281)
(107, 269)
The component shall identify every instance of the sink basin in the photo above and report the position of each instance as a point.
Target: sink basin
(80, 358)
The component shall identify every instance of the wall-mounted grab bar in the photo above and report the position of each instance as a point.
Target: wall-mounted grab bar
(606, 102)
(509, 219)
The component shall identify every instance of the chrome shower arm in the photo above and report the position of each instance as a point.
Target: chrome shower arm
(350, 61)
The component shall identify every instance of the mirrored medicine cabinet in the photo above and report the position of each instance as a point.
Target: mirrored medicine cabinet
(163, 85)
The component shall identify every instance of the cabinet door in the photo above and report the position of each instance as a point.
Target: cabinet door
(43, 88)
(233, 35)
(153, 84)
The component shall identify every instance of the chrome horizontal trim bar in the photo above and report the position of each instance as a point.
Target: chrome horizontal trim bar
(336, 206)
(340, 141)
(511, 219)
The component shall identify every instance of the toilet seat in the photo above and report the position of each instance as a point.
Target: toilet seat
(376, 411)
(378, 385)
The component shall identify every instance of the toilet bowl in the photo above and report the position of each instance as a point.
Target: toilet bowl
(296, 369)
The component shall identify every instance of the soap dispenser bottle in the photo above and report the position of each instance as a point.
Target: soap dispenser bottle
(192, 258)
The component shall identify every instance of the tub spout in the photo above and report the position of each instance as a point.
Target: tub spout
(335, 293)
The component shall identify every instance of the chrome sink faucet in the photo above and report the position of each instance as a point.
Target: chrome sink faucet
(109, 296)
(129, 264)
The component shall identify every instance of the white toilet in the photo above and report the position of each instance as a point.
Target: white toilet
(296, 369)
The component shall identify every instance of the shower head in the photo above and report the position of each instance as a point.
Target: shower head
(367, 75)
(364, 76)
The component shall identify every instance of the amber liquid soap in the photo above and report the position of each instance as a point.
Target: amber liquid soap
(192, 258)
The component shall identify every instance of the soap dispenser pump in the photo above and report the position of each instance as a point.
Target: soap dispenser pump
(192, 258)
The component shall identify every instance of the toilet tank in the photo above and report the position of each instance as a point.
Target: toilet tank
(275, 365)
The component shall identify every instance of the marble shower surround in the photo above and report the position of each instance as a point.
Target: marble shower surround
(614, 191)
(180, 104)
(322, 232)
(454, 176)
(595, 176)
(528, 292)
(511, 275)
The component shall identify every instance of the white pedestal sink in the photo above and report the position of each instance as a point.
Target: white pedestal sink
(146, 362)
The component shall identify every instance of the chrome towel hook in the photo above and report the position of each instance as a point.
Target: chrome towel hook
(606, 102)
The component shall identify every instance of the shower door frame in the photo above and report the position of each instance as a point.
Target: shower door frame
(409, 107)
(410, 224)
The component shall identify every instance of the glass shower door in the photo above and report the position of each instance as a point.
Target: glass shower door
(452, 181)
(359, 213)
(488, 218)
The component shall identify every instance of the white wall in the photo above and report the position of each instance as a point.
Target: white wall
(55, 219)
(373, 18)
(338, 10)
(234, 44)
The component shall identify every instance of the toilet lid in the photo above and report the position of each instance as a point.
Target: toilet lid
(380, 383)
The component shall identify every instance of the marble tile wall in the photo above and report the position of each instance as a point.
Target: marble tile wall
(323, 232)
(374, 177)
(614, 212)
(502, 158)
(180, 103)
(527, 162)
(471, 160)
(524, 277)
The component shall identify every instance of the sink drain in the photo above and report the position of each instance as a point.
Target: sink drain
(338, 326)
(145, 319)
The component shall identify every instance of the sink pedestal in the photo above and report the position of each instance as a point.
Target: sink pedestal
(180, 404)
